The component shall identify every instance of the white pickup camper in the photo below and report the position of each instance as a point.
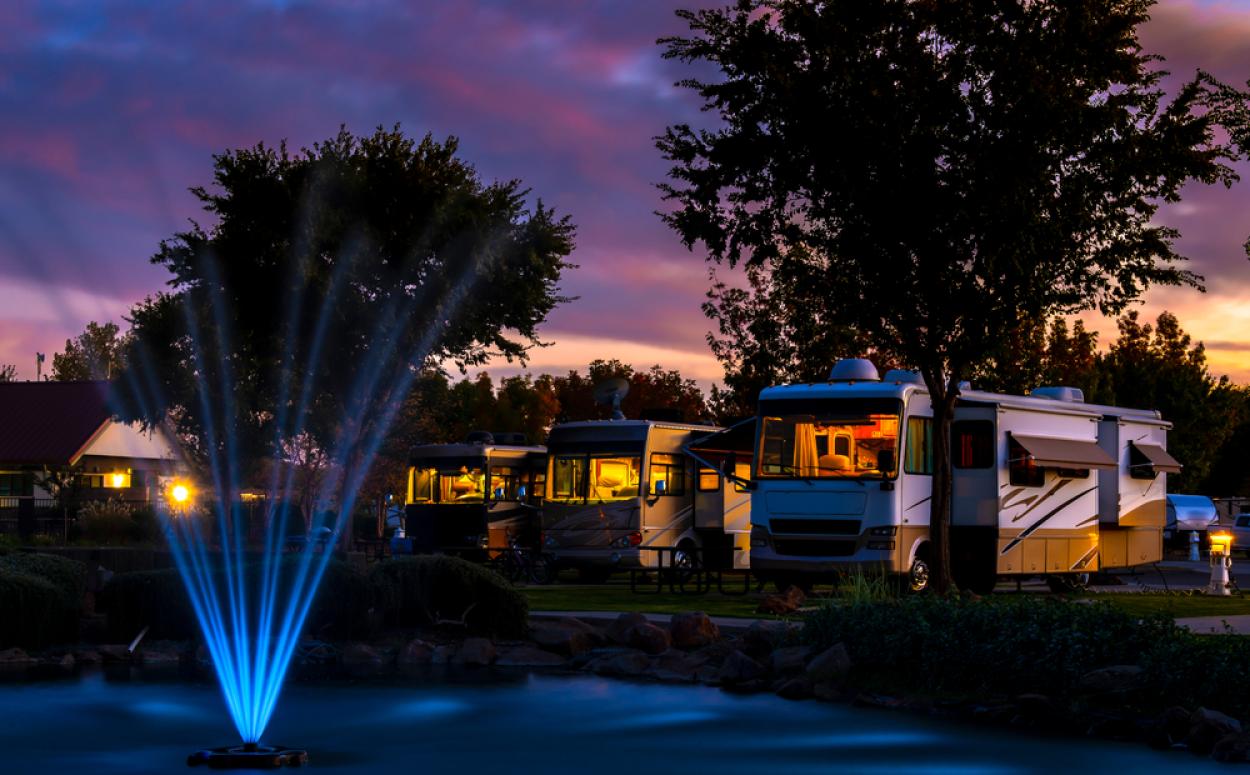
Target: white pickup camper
(844, 471)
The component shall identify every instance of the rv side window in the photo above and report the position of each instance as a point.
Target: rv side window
(670, 469)
(503, 478)
(1139, 466)
(422, 483)
(919, 446)
(709, 479)
(972, 443)
(1023, 471)
(568, 476)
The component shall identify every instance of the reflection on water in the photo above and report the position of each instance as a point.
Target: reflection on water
(545, 724)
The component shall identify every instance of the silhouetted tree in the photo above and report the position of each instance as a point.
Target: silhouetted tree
(938, 171)
(94, 354)
(8, 372)
(327, 281)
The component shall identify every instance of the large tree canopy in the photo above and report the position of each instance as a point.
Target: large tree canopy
(96, 353)
(326, 281)
(939, 171)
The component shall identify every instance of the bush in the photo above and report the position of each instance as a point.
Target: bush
(30, 608)
(1010, 645)
(159, 600)
(416, 591)
(106, 523)
(69, 579)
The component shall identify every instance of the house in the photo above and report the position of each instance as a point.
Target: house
(64, 431)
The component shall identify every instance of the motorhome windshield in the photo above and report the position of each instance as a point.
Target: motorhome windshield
(594, 477)
(463, 485)
(828, 439)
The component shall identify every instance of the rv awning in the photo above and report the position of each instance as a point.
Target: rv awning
(1065, 453)
(737, 441)
(1158, 457)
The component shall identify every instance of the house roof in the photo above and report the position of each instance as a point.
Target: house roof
(50, 423)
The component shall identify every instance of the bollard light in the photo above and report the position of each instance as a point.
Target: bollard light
(1221, 564)
(1221, 543)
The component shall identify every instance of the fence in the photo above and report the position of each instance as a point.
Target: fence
(27, 516)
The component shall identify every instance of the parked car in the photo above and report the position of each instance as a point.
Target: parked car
(1241, 533)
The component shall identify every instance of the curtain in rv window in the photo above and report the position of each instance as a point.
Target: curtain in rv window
(972, 443)
(919, 446)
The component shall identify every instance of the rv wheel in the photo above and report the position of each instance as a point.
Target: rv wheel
(918, 577)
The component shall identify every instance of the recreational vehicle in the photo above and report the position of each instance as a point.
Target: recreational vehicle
(474, 499)
(620, 492)
(844, 473)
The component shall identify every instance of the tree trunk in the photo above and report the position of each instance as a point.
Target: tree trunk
(943, 484)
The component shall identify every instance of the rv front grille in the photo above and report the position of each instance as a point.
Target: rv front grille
(797, 547)
(829, 527)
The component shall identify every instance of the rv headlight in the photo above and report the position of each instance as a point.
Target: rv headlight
(759, 537)
(884, 531)
(483, 542)
(889, 545)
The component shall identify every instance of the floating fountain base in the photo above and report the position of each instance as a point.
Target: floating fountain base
(249, 756)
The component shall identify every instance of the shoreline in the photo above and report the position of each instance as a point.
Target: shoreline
(752, 658)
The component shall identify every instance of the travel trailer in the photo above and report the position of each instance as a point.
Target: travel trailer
(619, 490)
(473, 499)
(1044, 485)
(1189, 514)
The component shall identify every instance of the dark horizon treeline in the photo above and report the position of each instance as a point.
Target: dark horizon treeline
(1147, 366)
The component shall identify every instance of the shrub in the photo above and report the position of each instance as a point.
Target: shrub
(416, 591)
(158, 599)
(107, 523)
(68, 577)
(1009, 645)
(29, 610)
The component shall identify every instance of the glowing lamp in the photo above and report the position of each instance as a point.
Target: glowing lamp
(180, 494)
(118, 480)
(1221, 544)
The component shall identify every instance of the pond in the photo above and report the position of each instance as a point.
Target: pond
(524, 723)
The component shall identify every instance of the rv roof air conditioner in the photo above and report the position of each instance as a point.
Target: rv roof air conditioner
(903, 377)
(480, 437)
(854, 370)
(1060, 393)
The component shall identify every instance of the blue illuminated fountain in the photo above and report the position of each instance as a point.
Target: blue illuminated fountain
(252, 611)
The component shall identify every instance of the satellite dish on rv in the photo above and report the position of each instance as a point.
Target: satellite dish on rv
(610, 392)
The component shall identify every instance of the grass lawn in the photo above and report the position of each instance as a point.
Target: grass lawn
(1176, 605)
(617, 597)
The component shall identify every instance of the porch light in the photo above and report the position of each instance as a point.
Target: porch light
(1221, 543)
(118, 480)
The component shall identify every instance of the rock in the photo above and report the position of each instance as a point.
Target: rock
(528, 656)
(623, 663)
(692, 631)
(1169, 728)
(618, 630)
(795, 689)
(67, 662)
(568, 636)
(157, 657)
(362, 654)
(115, 652)
(1233, 747)
(1114, 679)
(676, 666)
(415, 653)
(738, 668)
(648, 638)
(829, 692)
(1208, 727)
(88, 657)
(311, 652)
(442, 654)
(791, 659)
(16, 657)
(784, 603)
(475, 652)
(830, 665)
(761, 638)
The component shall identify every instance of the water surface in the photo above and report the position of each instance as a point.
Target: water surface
(551, 725)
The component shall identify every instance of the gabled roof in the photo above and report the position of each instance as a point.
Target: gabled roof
(50, 423)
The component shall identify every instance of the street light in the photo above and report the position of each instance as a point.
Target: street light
(1221, 564)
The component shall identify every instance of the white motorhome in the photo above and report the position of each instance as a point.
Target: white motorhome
(844, 471)
(618, 491)
(472, 499)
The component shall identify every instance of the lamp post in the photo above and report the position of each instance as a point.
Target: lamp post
(1221, 564)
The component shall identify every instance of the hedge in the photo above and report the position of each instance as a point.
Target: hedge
(1015, 645)
(421, 590)
(59, 619)
(158, 599)
(31, 610)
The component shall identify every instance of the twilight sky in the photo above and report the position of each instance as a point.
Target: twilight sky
(110, 110)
